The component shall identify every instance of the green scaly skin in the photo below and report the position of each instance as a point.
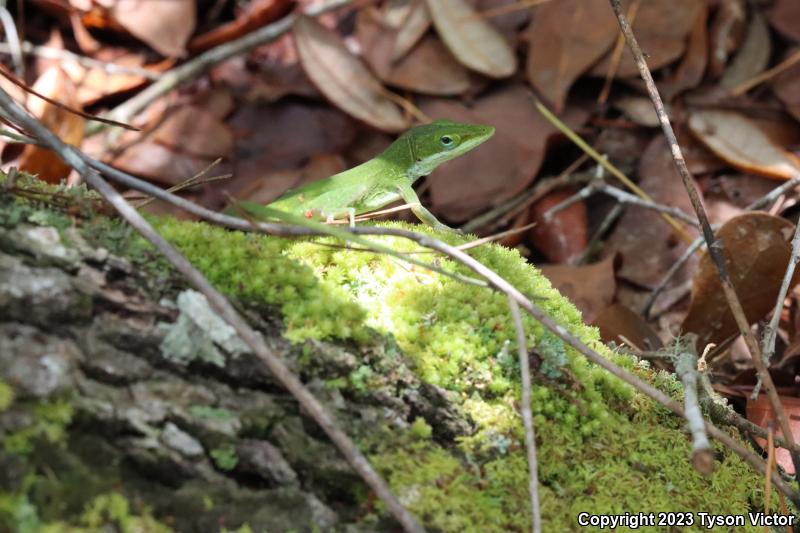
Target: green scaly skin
(388, 177)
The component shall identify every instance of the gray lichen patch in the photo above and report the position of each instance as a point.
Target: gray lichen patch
(199, 334)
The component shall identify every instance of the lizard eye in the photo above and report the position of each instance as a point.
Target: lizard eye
(446, 141)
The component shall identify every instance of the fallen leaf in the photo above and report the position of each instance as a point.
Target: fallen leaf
(565, 39)
(159, 163)
(255, 14)
(195, 131)
(413, 28)
(274, 184)
(218, 101)
(725, 34)
(67, 126)
(784, 15)
(471, 39)
(752, 57)
(757, 250)
(94, 84)
(429, 68)
(502, 167)
(689, 72)
(562, 237)
(296, 133)
(648, 245)
(725, 196)
(164, 26)
(590, 287)
(743, 144)
(505, 15)
(639, 109)
(343, 78)
(760, 413)
(619, 324)
(661, 27)
(786, 86)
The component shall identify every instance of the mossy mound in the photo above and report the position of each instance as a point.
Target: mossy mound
(603, 448)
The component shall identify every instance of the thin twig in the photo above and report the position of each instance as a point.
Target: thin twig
(48, 52)
(622, 197)
(278, 369)
(596, 239)
(614, 171)
(702, 452)
(542, 187)
(12, 36)
(527, 416)
(766, 75)
(768, 342)
(715, 247)
(687, 254)
(762, 202)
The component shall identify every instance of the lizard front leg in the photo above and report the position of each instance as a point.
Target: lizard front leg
(411, 198)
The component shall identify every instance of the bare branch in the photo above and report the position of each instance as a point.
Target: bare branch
(715, 247)
(527, 416)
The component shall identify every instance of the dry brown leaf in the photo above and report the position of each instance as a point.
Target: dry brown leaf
(689, 73)
(646, 243)
(163, 25)
(618, 323)
(639, 109)
(566, 38)
(159, 163)
(472, 40)
(752, 57)
(506, 164)
(296, 133)
(343, 78)
(757, 250)
(68, 126)
(743, 144)
(590, 287)
(194, 131)
(429, 68)
(784, 15)
(95, 84)
(661, 27)
(563, 237)
(255, 14)
(725, 34)
(786, 86)
(414, 27)
(265, 190)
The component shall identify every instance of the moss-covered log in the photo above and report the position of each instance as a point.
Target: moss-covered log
(124, 400)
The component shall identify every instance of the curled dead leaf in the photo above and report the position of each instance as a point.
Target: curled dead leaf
(164, 26)
(590, 287)
(566, 38)
(743, 144)
(343, 78)
(68, 126)
(757, 250)
(471, 39)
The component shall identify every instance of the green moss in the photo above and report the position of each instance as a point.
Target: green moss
(50, 419)
(6, 395)
(225, 457)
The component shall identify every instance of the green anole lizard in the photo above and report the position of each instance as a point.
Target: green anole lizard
(386, 178)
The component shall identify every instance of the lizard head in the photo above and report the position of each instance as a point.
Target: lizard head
(442, 140)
